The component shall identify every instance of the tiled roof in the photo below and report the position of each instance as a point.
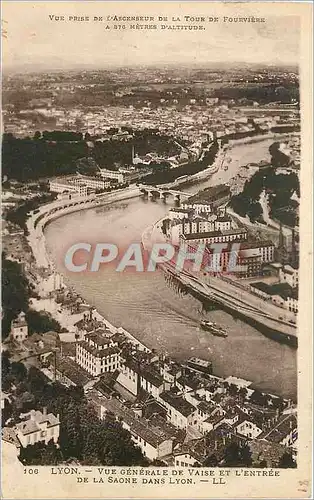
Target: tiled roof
(35, 419)
(282, 429)
(138, 426)
(151, 376)
(178, 403)
(99, 353)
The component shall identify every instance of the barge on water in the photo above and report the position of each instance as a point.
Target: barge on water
(213, 328)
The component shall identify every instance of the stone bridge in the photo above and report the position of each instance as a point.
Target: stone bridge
(163, 193)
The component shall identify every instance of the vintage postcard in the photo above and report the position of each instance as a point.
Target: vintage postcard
(156, 250)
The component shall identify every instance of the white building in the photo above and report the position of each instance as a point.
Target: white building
(199, 207)
(290, 275)
(225, 236)
(180, 213)
(98, 353)
(91, 182)
(222, 223)
(180, 412)
(67, 185)
(248, 428)
(266, 250)
(152, 444)
(39, 427)
(19, 328)
(185, 459)
(112, 174)
(128, 376)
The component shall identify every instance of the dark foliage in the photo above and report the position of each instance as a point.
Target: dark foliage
(16, 291)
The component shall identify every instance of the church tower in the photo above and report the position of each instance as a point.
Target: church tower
(281, 251)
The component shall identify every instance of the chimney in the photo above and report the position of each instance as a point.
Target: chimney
(45, 411)
(32, 414)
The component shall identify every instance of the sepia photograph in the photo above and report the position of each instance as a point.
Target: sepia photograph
(156, 249)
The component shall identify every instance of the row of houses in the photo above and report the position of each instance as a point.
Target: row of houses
(184, 400)
(281, 294)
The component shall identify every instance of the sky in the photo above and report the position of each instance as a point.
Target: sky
(32, 40)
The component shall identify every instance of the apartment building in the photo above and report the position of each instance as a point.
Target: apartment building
(224, 236)
(180, 412)
(289, 274)
(19, 328)
(98, 353)
(91, 182)
(67, 185)
(39, 427)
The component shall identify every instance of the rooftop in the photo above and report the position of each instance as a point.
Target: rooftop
(151, 375)
(37, 418)
(178, 403)
(286, 424)
(138, 426)
(210, 194)
(100, 337)
(102, 353)
(282, 289)
(71, 370)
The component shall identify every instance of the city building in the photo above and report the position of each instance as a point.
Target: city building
(180, 213)
(225, 236)
(284, 432)
(39, 427)
(19, 328)
(91, 182)
(223, 223)
(113, 174)
(154, 441)
(266, 250)
(180, 412)
(67, 185)
(199, 207)
(280, 294)
(98, 353)
(289, 274)
(209, 199)
(248, 428)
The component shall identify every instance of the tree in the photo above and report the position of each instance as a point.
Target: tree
(41, 454)
(263, 464)
(287, 461)
(14, 293)
(18, 371)
(37, 135)
(237, 456)
(243, 392)
(211, 461)
(41, 322)
(258, 398)
(245, 456)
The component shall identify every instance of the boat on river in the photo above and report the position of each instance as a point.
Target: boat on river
(213, 328)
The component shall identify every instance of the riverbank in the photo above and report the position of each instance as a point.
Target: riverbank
(38, 221)
(194, 178)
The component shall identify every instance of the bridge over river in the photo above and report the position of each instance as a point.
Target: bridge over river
(162, 192)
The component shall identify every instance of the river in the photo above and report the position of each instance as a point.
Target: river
(152, 310)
